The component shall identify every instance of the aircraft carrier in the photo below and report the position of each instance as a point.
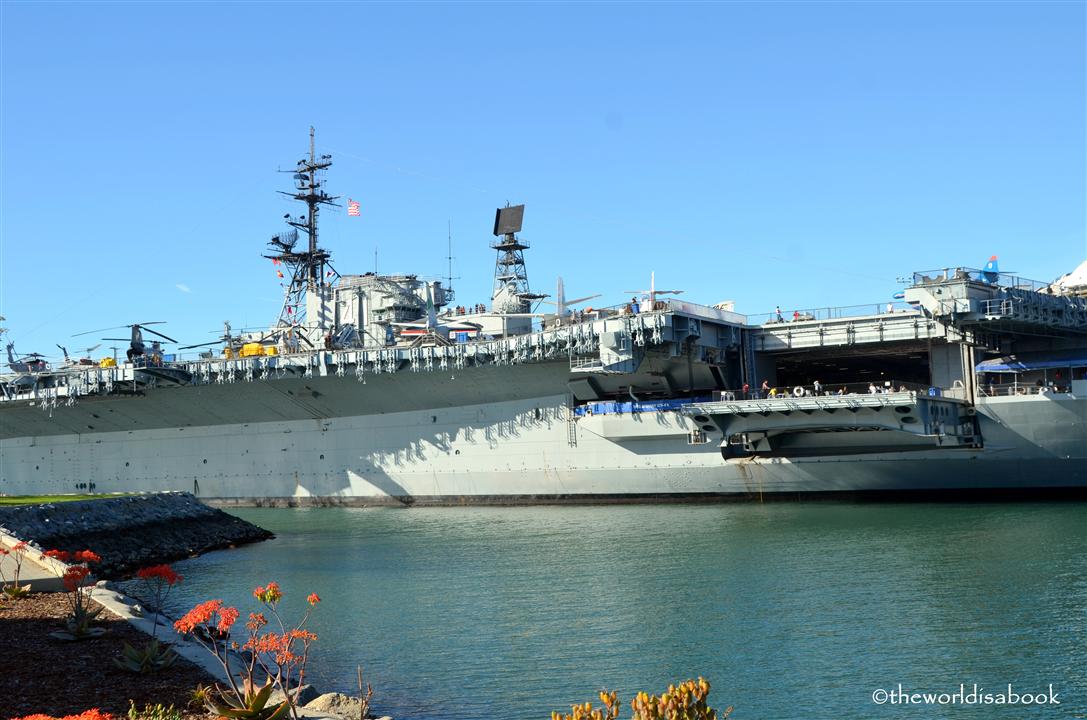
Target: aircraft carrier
(379, 389)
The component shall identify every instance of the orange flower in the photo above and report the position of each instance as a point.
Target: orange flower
(304, 635)
(269, 594)
(21, 545)
(227, 617)
(87, 556)
(73, 577)
(164, 573)
(313, 599)
(62, 555)
(256, 622)
(199, 615)
(93, 714)
(267, 644)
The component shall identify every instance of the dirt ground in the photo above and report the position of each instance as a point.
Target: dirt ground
(39, 674)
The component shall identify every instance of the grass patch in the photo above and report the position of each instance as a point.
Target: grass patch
(42, 499)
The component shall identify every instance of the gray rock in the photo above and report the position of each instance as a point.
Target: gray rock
(130, 532)
(306, 693)
(337, 704)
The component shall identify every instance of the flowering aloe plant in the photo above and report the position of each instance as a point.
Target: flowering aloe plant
(157, 582)
(17, 553)
(279, 657)
(76, 578)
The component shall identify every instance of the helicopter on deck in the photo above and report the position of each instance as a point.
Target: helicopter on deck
(136, 346)
(31, 362)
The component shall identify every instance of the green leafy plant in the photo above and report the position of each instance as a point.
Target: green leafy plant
(685, 701)
(153, 712)
(250, 704)
(13, 589)
(152, 657)
(198, 696)
(76, 578)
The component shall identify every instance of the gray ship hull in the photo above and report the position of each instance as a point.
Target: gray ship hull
(410, 438)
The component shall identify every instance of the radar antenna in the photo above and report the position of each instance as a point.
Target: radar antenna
(304, 270)
(511, 291)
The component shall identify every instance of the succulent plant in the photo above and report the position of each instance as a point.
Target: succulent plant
(153, 657)
(253, 705)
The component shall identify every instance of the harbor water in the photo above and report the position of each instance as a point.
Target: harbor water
(791, 610)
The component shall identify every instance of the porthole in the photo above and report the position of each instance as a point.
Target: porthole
(701, 419)
(126, 463)
(205, 461)
(709, 428)
(909, 420)
(322, 457)
(902, 409)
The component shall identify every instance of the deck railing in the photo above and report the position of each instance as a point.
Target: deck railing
(828, 313)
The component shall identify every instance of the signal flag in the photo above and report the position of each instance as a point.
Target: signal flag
(352, 208)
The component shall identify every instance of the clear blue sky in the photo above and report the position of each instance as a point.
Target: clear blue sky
(800, 154)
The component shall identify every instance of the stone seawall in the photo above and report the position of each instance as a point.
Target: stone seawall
(130, 532)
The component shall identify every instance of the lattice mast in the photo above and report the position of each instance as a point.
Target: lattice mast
(304, 270)
(511, 290)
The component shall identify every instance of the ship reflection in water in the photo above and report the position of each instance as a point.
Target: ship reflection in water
(791, 610)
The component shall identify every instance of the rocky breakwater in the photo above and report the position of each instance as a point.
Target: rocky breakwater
(130, 532)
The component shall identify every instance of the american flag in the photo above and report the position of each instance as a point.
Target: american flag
(352, 208)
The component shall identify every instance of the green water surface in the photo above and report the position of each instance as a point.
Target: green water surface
(790, 610)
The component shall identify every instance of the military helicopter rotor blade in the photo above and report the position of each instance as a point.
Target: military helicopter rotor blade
(118, 327)
(207, 344)
(119, 339)
(153, 332)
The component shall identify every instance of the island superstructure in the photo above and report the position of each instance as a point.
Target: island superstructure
(372, 389)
